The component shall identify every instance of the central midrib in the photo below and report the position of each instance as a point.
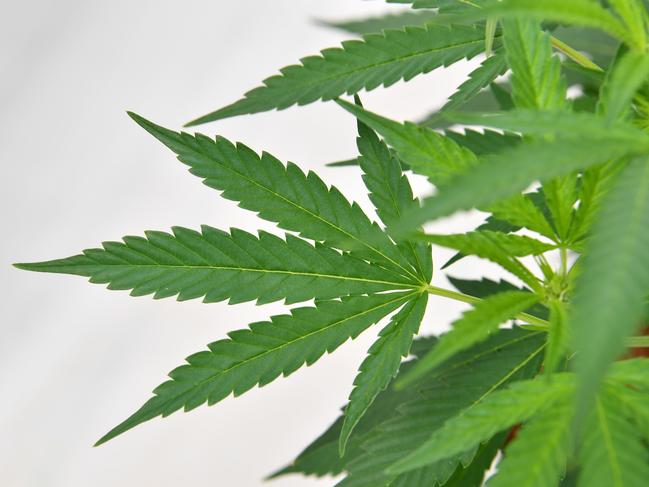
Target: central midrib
(268, 271)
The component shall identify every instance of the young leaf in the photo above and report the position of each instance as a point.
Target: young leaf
(282, 194)
(258, 355)
(560, 197)
(473, 327)
(626, 77)
(479, 422)
(611, 290)
(390, 192)
(378, 59)
(478, 79)
(584, 13)
(500, 248)
(513, 170)
(612, 453)
(462, 381)
(382, 363)
(555, 123)
(634, 15)
(424, 150)
(536, 74)
(521, 211)
(218, 265)
(538, 455)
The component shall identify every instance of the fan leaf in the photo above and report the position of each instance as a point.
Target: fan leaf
(217, 265)
(382, 363)
(377, 59)
(611, 290)
(282, 194)
(260, 354)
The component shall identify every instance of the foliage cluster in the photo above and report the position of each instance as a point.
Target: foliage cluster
(565, 183)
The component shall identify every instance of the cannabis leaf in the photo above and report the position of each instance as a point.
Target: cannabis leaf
(477, 423)
(390, 192)
(282, 194)
(423, 149)
(536, 74)
(626, 77)
(378, 59)
(218, 265)
(498, 247)
(538, 455)
(479, 78)
(473, 327)
(613, 453)
(611, 291)
(382, 363)
(258, 355)
(463, 380)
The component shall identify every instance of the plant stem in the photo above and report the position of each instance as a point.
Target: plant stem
(533, 323)
(466, 298)
(573, 54)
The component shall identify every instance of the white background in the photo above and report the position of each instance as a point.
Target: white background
(76, 359)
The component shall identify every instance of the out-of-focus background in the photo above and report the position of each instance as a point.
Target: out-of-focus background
(76, 359)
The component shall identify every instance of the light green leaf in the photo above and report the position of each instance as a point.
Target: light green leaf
(479, 422)
(463, 380)
(382, 363)
(612, 287)
(498, 247)
(612, 453)
(560, 197)
(478, 79)
(536, 74)
(424, 150)
(632, 402)
(538, 455)
(584, 13)
(560, 124)
(595, 184)
(499, 176)
(622, 82)
(473, 327)
(390, 192)
(377, 59)
(260, 354)
(521, 211)
(283, 194)
(217, 265)
(634, 15)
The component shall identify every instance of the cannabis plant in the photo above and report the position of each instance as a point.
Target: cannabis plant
(544, 380)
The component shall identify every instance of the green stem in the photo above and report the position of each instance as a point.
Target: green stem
(533, 323)
(465, 298)
(573, 54)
